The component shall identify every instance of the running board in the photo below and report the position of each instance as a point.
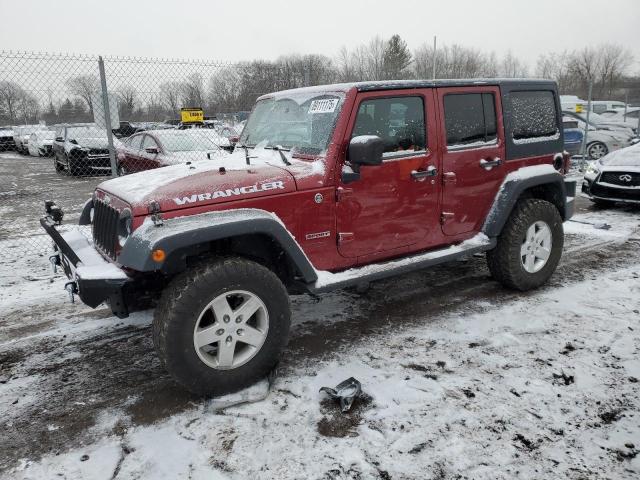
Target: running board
(332, 281)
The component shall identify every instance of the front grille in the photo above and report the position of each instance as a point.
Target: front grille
(601, 191)
(629, 179)
(105, 227)
(98, 152)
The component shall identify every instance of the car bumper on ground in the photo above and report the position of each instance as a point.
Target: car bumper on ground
(94, 279)
(599, 190)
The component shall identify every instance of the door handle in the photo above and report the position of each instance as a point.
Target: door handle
(431, 171)
(489, 164)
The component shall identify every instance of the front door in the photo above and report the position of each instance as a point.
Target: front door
(472, 156)
(395, 204)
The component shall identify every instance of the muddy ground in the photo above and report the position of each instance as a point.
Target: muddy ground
(64, 367)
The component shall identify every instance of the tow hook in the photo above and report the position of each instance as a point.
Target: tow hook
(54, 260)
(72, 289)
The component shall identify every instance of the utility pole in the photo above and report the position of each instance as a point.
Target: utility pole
(586, 127)
(433, 74)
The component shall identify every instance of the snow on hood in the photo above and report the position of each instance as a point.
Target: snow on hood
(202, 182)
(92, 142)
(625, 157)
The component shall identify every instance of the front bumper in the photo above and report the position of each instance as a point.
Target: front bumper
(595, 190)
(93, 278)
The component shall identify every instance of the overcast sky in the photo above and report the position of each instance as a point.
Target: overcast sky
(245, 30)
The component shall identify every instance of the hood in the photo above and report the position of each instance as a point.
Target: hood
(206, 182)
(625, 157)
(92, 142)
(174, 158)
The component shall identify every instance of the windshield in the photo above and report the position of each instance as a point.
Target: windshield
(182, 141)
(299, 121)
(86, 132)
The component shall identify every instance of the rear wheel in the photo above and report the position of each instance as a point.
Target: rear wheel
(529, 247)
(221, 326)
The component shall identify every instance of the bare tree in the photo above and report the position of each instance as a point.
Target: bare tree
(128, 99)
(10, 95)
(193, 92)
(170, 95)
(84, 86)
(513, 67)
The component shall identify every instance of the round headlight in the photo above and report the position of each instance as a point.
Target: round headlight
(125, 226)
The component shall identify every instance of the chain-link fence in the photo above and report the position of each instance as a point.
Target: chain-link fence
(68, 122)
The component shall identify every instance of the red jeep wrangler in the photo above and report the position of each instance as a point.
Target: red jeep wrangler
(328, 187)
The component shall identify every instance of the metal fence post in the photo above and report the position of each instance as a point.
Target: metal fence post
(107, 117)
(586, 127)
(433, 73)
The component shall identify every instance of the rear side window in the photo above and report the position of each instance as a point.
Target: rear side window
(534, 117)
(470, 119)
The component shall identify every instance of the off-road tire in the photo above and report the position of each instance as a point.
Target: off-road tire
(185, 298)
(505, 262)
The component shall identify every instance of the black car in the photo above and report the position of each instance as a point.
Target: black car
(614, 178)
(6, 139)
(81, 149)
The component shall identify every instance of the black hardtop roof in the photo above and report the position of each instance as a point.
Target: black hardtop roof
(369, 86)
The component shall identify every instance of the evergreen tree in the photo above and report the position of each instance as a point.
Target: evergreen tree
(397, 58)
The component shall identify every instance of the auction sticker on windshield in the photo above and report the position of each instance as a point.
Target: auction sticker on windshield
(326, 105)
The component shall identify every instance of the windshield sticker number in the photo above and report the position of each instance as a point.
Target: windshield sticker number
(327, 105)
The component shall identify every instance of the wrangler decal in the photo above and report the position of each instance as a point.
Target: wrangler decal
(229, 192)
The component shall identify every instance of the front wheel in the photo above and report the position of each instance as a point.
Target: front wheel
(596, 150)
(529, 247)
(220, 327)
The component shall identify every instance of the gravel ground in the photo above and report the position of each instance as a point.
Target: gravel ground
(463, 379)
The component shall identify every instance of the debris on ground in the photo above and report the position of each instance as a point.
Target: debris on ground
(345, 392)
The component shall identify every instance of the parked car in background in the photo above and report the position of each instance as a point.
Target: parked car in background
(213, 136)
(614, 178)
(573, 136)
(604, 123)
(6, 139)
(21, 137)
(126, 129)
(40, 143)
(578, 105)
(159, 148)
(230, 133)
(630, 118)
(601, 142)
(81, 149)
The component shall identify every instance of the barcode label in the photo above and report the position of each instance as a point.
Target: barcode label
(327, 105)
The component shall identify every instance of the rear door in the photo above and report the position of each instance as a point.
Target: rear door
(149, 160)
(132, 161)
(473, 155)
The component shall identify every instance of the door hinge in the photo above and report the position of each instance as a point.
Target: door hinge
(446, 217)
(342, 192)
(345, 237)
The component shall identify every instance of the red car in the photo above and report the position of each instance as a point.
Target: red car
(328, 187)
(160, 148)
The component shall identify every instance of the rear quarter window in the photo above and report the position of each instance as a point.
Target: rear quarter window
(534, 117)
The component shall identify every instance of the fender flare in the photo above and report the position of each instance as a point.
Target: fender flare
(176, 234)
(518, 182)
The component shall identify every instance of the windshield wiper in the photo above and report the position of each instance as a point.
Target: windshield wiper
(281, 151)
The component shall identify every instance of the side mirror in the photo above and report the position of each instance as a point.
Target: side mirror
(365, 150)
(152, 150)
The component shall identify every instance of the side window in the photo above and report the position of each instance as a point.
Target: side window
(599, 108)
(399, 121)
(534, 116)
(149, 142)
(134, 142)
(470, 119)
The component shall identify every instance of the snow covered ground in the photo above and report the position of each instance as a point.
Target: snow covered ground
(462, 379)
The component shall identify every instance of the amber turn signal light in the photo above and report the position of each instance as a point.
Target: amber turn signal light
(158, 255)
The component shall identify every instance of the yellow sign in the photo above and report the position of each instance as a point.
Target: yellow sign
(191, 115)
(578, 108)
